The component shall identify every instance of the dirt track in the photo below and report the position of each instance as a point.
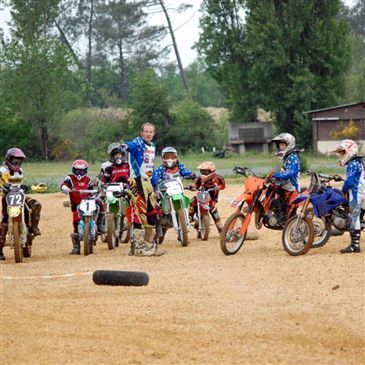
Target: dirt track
(260, 306)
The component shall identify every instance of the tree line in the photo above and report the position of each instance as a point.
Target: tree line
(67, 60)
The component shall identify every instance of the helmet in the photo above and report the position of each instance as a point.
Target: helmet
(115, 148)
(79, 168)
(345, 150)
(286, 138)
(206, 169)
(169, 156)
(14, 158)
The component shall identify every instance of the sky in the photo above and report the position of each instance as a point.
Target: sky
(185, 25)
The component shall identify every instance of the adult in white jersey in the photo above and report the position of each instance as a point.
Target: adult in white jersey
(142, 153)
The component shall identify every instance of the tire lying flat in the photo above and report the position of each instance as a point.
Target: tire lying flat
(120, 278)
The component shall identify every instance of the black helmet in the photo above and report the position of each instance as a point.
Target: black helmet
(115, 148)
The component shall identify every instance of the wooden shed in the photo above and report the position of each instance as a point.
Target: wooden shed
(327, 120)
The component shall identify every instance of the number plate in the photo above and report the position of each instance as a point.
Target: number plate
(87, 206)
(15, 198)
(174, 187)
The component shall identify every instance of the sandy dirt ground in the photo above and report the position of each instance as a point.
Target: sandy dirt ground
(260, 306)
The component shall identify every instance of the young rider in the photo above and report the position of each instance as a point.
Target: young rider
(77, 180)
(11, 170)
(290, 156)
(142, 160)
(117, 168)
(354, 185)
(209, 179)
(170, 168)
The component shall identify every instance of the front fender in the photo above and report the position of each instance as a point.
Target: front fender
(240, 199)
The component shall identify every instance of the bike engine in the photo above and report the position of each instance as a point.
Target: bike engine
(339, 219)
(276, 216)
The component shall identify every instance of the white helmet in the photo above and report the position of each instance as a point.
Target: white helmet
(286, 138)
(345, 150)
(169, 156)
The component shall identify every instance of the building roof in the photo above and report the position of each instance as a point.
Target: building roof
(333, 107)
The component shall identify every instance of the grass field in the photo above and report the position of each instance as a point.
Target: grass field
(52, 172)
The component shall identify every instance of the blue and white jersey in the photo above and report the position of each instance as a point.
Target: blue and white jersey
(164, 173)
(141, 157)
(290, 170)
(355, 179)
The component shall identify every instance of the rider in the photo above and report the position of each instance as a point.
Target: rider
(170, 168)
(78, 180)
(142, 159)
(11, 170)
(290, 156)
(117, 168)
(209, 179)
(347, 152)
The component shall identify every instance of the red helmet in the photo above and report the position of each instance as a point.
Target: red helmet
(79, 168)
(14, 158)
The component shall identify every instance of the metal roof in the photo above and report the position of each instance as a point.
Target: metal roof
(333, 107)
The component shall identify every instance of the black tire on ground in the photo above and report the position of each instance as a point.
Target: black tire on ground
(18, 250)
(205, 228)
(110, 231)
(87, 240)
(184, 238)
(122, 278)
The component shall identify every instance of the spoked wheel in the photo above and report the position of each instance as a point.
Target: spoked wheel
(322, 232)
(231, 239)
(27, 249)
(183, 232)
(125, 230)
(87, 240)
(110, 231)
(204, 234)
(17, 244)
(298, 236)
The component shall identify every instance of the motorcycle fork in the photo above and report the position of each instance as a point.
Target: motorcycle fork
(302, 214)
(248, 216)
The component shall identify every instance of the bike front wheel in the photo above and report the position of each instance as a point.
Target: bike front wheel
(231, 240)
(298, 236)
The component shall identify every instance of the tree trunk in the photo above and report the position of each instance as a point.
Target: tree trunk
(122, 78)
(181, 69)
(44, 136)
(88, 65)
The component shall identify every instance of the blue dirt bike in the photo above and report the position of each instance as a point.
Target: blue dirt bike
(322, 201)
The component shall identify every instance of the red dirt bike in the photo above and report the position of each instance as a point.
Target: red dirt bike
(263, 197)
(201, 216)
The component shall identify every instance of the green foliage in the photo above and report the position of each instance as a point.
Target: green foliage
(287, 57)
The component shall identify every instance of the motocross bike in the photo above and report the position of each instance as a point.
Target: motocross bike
(88, 212)
(174, 210)
(19, 235)
(322, 201)
(116, 218)
(262, 197)
(201, 217)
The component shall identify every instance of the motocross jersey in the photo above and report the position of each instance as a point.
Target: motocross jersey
(141, 157)
(355, 179)
(164, 173)
(111, 173)
(290, 170)
(6, 175)
(213, 180)
(74, 184)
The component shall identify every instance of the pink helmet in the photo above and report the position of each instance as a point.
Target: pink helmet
(14, 159)
(79, 168)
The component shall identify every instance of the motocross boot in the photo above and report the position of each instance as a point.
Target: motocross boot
(75, 244)
(3, 232)
(217, 220)
(35, 217)
(145, 245)
(355, 242)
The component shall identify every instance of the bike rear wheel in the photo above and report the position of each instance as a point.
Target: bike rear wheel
(298, 236)
(322, 232)
(231, 239)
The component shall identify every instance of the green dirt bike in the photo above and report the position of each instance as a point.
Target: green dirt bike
(116, 222)
(174, 210)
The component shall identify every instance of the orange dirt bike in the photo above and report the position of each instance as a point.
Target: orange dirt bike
(19, 236)
(262, 197)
